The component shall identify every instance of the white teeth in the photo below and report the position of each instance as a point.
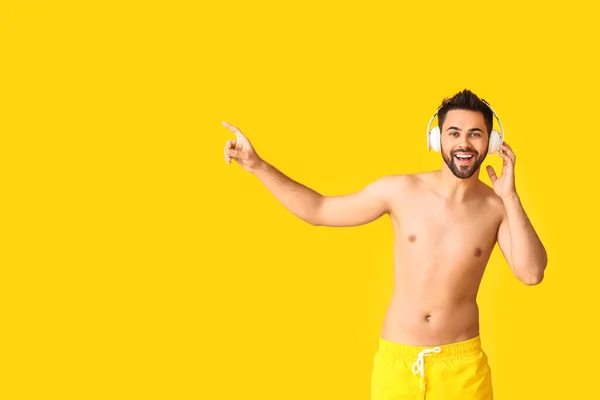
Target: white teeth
(463, 156)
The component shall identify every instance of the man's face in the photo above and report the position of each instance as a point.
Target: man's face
(464, 142)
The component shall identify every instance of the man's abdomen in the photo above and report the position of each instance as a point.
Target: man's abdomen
(436, 320)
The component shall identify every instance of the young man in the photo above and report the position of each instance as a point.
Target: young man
(446, 224)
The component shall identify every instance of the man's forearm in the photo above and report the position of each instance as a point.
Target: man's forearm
(300, 200)
(527, 251)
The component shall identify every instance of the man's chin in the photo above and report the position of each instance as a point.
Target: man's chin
(463, 173)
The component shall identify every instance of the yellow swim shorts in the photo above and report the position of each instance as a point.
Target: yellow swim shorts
(453, 371)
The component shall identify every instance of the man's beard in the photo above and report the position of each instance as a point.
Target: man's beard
(463, 171)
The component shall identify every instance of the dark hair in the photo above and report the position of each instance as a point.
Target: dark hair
(466, 100)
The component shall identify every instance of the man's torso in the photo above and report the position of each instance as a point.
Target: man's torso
(441, 248)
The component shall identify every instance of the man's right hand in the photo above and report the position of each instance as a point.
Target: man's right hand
(241, 150)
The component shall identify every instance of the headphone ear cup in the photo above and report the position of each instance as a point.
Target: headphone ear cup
(495, 142)
(435, 139)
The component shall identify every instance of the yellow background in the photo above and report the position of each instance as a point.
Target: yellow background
(136, 264)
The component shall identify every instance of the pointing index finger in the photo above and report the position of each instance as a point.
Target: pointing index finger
(233, 129)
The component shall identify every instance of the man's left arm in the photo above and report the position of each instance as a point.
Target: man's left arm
(517, 238)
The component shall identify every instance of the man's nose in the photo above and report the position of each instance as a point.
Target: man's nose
(464, 142)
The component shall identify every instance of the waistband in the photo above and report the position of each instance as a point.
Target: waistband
(451, 350)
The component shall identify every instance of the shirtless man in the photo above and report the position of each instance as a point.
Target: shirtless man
(446, 224)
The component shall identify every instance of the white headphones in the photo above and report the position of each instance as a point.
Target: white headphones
(434, 138)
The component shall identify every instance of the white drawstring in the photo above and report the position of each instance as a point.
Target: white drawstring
(419, 364)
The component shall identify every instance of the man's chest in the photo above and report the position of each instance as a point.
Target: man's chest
(439, 223)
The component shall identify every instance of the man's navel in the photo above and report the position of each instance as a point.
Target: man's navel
(412, 238)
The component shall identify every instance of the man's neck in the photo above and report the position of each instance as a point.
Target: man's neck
(456, 189)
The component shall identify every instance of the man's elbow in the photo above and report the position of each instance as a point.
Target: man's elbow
(315, 217)
(311, 212)
(534, 277)
(313, 221)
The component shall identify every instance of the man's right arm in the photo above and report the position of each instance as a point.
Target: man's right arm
(353, 209)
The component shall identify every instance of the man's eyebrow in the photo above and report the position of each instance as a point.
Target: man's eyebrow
(458, 129)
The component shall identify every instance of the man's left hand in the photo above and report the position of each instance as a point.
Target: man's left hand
(504, 186)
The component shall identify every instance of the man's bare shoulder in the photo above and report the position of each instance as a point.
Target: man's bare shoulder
(396, 183)
(396, 189)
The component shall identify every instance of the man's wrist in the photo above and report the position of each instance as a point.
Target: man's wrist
(260, 166)
(511, 198)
